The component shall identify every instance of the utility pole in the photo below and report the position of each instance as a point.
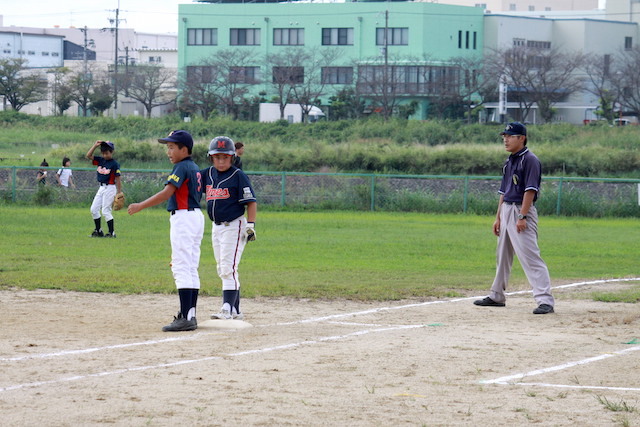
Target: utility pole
(385, 75)
(115, 63)
(85, 77)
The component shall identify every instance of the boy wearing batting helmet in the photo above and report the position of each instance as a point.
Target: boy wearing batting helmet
(228, 191)
(516, 223)
(108, 176)
(183, 190)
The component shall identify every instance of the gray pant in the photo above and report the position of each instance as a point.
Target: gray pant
(525, 247)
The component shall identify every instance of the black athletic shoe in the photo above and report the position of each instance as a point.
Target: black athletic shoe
(181, 324)
(488, 302)
(97, 233)
(543, 309)
(111, 235)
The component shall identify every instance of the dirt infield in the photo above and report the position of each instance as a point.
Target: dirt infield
(70, 359)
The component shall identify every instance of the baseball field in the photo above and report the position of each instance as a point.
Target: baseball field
(362, 319)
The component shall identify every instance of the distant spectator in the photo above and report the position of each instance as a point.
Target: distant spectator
(64, 174)
(41, 176)
(237, 162)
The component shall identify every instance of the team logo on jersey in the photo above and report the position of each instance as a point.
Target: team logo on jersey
(246, 191)
(514, 178)
(217, 193)
(173, 177)
(103, 171)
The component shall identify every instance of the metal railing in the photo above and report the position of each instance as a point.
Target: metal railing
(358, 191)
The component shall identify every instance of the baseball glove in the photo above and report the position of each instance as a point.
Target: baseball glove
(118, 202)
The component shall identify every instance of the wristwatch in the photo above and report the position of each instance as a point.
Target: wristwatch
(520, 216)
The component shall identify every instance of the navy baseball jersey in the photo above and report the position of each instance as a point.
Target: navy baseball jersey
(107, 170)
(186, 177)
(521, 172)
(227, 193)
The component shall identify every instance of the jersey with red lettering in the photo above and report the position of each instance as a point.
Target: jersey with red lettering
(227, 193)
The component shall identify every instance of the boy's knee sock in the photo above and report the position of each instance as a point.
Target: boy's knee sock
(229, 297)
(110, 225)
(188, 300)
(97, 222)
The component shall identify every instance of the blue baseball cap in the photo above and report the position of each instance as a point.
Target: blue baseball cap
(107, 146)
(179, 137)
(515, 128)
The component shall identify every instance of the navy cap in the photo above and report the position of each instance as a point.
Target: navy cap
(515, 128)
(179, 137)
(107, 145)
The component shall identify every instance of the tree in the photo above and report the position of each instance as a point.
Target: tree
(286, 71)
(346, 105)
(102, 95)
(151, 85)
(60, 90)
(627, 80)
(81, 84)
(537, 75)
(473, 83)
(19, 85)
(307, 92)
(602, 82)
(197, 92)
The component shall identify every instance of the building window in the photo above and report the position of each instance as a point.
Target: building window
(202, 37)
(395, 36)
(532, 8)
(337, 36)
(31, 52)
(55, 54)
(512, 6)
(408, 80)
(519, 42)
(538, 44)
(246, 75)
(475, 40)
(481, 5)
(200, 74)
(337, 75)
(547, 9)
(7, 51)
(155, 59)
(289, 75)
(245, 37)
(606, 69)
(288, 36)
(45, 53)
(628, 43)
(21, 52)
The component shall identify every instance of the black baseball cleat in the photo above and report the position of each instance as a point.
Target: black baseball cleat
(543, 309)
(111, 235)
(97, 233)
(488, 302)
(181, 324)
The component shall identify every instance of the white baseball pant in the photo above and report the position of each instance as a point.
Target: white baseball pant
(525, 247)
(187, 229)
(103, 201)
(228, 241)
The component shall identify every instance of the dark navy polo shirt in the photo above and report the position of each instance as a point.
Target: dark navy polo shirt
(521, 172)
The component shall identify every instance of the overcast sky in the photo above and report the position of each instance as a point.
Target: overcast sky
(147, 16)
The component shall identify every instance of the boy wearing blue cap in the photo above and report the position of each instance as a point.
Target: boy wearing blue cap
(183, 190)
(108, 176)
(516, 223)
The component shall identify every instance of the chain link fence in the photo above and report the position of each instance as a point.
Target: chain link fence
(570, 196)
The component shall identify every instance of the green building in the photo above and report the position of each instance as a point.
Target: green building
(392, 53)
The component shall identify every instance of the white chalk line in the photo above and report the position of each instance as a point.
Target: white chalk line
(304, 321)
(205, 359)
(286, 346)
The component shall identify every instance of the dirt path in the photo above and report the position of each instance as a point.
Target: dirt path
(70, 359)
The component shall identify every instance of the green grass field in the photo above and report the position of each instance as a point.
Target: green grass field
(355, 255)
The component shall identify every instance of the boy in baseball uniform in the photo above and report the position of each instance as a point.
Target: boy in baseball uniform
(108, 176)
(228, 192)
(183, 190)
